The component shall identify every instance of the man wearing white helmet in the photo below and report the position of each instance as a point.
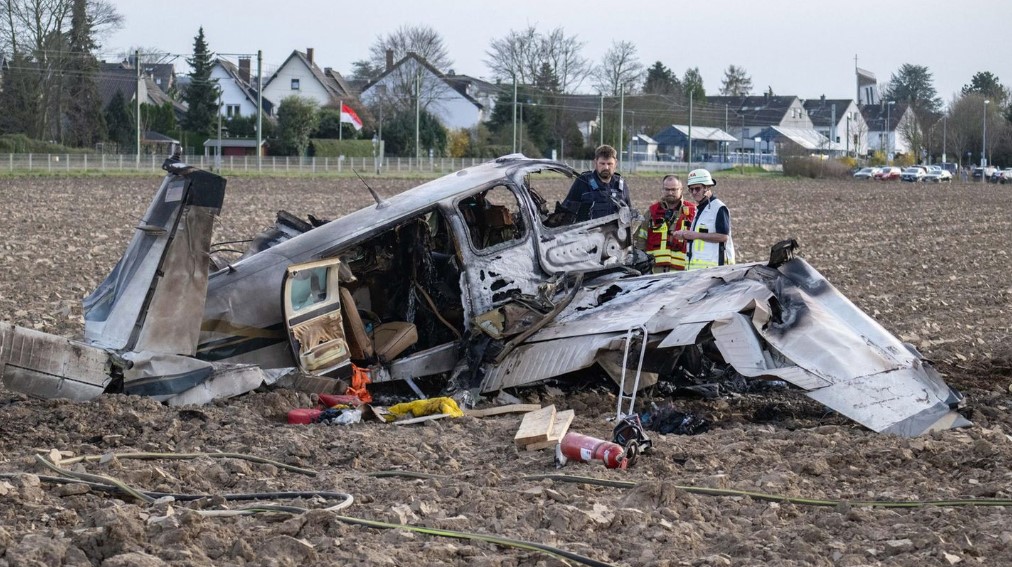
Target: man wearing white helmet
(710, 235)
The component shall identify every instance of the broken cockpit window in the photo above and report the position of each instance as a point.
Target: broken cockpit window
(493, 217)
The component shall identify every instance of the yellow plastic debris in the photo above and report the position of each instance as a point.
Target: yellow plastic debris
(418, 408)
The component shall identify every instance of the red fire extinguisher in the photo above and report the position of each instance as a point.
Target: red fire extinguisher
(583, 448)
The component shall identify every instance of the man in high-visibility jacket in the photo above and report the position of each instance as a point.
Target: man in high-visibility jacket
(710, 234)
(668, 215)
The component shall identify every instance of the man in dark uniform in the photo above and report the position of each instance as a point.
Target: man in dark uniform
(595, 193)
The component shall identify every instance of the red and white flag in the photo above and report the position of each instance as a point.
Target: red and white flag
(348, 115)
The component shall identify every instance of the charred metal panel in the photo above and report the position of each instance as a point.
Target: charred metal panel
(47, 366)
(531, 363)
(584, 248)
(494, 278)
(172, 321)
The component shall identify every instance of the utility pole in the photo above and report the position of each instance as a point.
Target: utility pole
(689, 161)
(514, 111)
(832, 128)
(137, 104)
(621, 118)
(260, 108)
(418, 116)
(600, 127)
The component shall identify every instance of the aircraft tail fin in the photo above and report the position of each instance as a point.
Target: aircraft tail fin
(153, 300)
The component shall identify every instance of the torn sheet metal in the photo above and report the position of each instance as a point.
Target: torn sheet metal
(43, 365)
(788, 323)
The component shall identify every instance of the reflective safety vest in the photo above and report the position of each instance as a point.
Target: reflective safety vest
(709, 254)
(668, 255)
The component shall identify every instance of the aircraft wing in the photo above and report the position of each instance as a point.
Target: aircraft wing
(787, 323)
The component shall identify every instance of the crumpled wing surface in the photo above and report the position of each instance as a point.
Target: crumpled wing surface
(789, 323)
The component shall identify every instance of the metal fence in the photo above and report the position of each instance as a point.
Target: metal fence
(70, 163)
(274, 165)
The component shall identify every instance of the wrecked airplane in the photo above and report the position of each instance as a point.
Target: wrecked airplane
(468, 278)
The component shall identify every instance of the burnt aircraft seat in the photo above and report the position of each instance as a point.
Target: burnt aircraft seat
(386, 341)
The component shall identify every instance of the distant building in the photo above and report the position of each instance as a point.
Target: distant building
(300, 76)
(867, 88)
(841, 121)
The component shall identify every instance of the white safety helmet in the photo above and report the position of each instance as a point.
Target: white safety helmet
(699, 177)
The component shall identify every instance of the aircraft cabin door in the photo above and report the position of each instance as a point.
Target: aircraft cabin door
(313, 317)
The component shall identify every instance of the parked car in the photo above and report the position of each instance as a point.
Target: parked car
(888, 173)
(866, 173)
(936, 174)
(983, 172)
(913, 173)
(1006, 176)
(996, 176)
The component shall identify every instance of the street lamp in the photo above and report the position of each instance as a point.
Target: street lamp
(888, 129)
(983, 144)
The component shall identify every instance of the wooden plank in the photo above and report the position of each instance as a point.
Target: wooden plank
(563, 420)
(535, 426)
(414, 420)
(498, 410)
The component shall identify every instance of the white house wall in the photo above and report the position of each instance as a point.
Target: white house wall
(452, 109)
(232, 94)
(280, 86)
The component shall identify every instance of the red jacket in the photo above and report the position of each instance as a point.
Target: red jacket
(669, 253)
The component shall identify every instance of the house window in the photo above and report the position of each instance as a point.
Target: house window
(231, 110)
(295, 84)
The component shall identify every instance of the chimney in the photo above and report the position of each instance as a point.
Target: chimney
(390, 59)
(309, 55)
(244, 67)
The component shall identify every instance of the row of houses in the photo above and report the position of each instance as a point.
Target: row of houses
(766, 124)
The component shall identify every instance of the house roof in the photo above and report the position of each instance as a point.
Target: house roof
(678, 134)
(644, 139)
(875, 115)
(460, 83)
(756, 110)
(429, 67)
(332, 81)
(152, 137)
(113, 77)
(248, 90)
(803, 137)
(820, 110)
(233, 142)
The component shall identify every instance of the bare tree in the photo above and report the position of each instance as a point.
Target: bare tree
(27, 25)
(35, 32)
(523, 55)
(420, 39)
(620, 67)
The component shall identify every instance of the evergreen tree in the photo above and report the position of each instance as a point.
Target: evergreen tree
(20, 97)
(85, 123)
(987, 84)
(161, 119)
(736, 82)
(913, 84)
(693, 83)
(120, 122)
(399, 134)
(297, 118)
(661, 81)
(202, 94)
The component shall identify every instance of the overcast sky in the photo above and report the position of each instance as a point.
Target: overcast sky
(797, 47)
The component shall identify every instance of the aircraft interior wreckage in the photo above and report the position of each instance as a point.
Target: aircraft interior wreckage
(467, 278)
